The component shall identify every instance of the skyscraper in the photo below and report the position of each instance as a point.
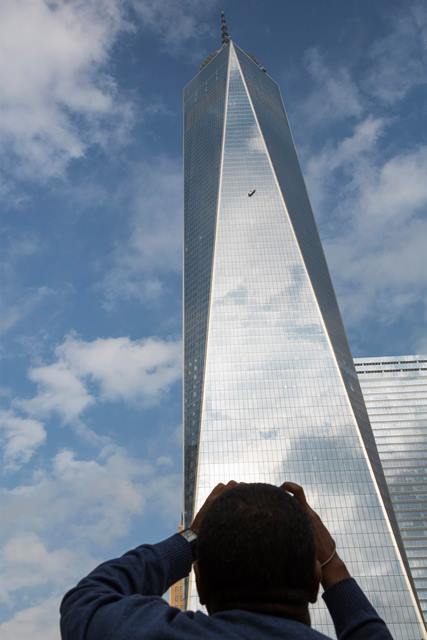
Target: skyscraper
(395, 392)
(270, 390)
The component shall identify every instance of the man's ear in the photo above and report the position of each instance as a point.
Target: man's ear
(317, 575)
(199, 584)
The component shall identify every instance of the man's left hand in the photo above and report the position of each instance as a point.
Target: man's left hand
(220, 488)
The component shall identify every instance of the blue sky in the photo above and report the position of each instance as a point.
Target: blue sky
(90, 259)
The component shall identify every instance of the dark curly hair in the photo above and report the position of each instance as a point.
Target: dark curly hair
(256, 544)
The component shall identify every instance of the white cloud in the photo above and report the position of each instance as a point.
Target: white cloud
(16, 301)
(372, 209)
(59, 95)
(382, 280)
(369, 198)
(395, 64)
(27, 563)
(104, 493)
(399, 59)
(56, 528)
(59, 391)
(334, 95)
(21, 245)
(90, 500)
(152, 245)
(176, 21)
(87, 502)
(164, 497)
(39, 622)
(125, 369)
(53, 57)
(397, 191)
(19, 439)
(86, 505)
(105, 369)
(362, 139)
(422, 345)
(348, 155)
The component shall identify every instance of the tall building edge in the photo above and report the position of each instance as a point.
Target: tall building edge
(199, 235)
(190, 457)
(328, 310)
(209, 90)
(318, 274)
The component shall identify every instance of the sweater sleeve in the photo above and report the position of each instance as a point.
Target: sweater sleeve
(353, 615)
(93, 609)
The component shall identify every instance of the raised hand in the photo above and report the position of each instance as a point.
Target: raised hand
(220, 488)
(333, 568)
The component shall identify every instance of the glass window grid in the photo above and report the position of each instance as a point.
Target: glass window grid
(274, 404)
(402, 446)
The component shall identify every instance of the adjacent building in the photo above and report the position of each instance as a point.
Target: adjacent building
(177, 595)
(177, 590)
(395, 392)
(270, 389)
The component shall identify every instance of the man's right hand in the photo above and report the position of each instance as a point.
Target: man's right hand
(335, 570)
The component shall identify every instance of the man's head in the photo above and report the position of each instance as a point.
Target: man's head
(256, 547)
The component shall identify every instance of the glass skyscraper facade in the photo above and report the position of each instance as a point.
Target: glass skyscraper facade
(395, 392)
(270, 389)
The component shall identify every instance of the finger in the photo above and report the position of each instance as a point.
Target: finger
(219, 488)
(296, 490)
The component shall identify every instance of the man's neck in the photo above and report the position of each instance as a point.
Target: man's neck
(299, 613)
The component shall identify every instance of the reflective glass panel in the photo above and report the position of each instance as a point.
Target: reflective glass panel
(275, 404)
(204, 100)
(395, 392)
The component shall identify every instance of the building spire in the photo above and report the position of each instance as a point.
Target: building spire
(225, 38)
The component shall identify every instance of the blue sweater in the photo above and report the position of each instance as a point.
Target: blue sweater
(121, 600)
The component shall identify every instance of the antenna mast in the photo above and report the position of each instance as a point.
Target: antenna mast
(225, 37)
